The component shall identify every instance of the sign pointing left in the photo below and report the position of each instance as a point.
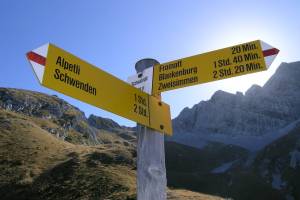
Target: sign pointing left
(61, 71)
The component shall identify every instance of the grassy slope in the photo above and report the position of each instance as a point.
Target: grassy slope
(36, 165)
(188, 195)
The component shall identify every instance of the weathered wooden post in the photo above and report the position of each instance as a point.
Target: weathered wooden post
(151, 169)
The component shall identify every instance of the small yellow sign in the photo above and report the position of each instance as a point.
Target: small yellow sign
(212, 66)
(74, 77)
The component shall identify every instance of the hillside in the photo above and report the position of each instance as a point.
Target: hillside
(63, 120)
(45, 154)
(36, 165)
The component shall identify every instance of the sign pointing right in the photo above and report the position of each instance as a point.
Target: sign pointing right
(229, 62)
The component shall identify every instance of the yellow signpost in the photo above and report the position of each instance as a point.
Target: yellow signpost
(215, 65)
(66, 73)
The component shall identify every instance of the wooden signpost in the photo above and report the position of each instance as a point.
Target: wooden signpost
(139, 101)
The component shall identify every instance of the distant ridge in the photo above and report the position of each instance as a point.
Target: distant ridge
(238, 118)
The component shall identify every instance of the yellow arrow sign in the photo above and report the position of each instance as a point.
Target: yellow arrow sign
(65, 73)
(233, 61)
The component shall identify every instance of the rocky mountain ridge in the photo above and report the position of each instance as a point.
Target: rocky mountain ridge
(237, 118)
(64, 116)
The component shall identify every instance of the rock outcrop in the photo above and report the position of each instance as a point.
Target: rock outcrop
(261, 111)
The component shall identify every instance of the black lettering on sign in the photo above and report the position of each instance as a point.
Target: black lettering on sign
(239, 69)
(236, 49)
(69, 80)
(224, 72)
(251, 56)
(238, 59)
(68, 66)
(222, 63)
(178, 82)
(170, 66)
(135, 108)
(249, 47)
(215, 74)
(140, 106)
(177, 73)
(253, 66)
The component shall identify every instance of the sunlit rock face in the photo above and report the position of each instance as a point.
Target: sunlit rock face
(260, 111)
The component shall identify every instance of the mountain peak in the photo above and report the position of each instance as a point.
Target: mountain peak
(220, 96)
(233, 118)
(253, 90)
(286, 75)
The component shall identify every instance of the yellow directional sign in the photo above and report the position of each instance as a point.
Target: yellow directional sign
(65, 73)
(233, 61)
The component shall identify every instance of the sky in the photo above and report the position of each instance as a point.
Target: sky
(113, 35)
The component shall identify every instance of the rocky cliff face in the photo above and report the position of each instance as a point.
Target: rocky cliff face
(264, 120)
(66, 120)
(103, 123)
(46, 107)
(260, 111)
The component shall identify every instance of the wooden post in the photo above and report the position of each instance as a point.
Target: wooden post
(151, 169)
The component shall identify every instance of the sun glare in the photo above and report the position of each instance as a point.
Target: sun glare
(240, 35)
